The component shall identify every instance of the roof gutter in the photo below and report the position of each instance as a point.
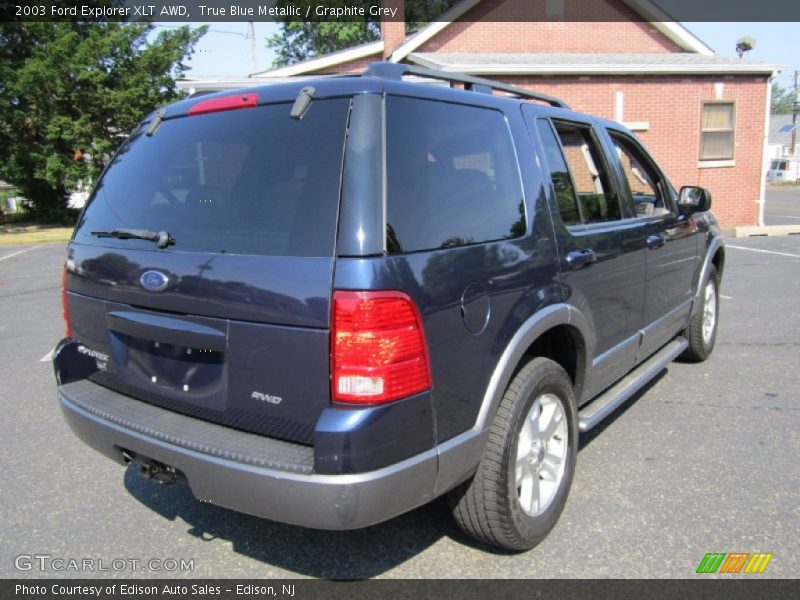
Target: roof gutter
(597, 69)
(667, 25)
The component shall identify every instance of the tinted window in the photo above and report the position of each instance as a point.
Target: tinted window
(642, 179)
(566, 198)
(452, 176)
(597, 201)
(251, 181)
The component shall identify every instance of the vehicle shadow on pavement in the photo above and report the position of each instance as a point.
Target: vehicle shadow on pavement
(354, 554)
(586, 438)
(357, 554)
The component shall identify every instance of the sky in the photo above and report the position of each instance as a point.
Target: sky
(226, 50)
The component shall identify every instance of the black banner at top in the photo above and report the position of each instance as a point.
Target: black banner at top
(376, 10)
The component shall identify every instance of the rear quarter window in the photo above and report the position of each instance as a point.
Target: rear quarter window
(249, 181)
(452, 176)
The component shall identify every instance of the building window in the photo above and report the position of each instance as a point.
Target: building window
(716, 136)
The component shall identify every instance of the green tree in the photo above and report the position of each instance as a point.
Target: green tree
(781, 99)
(70, 92)
(301, 40)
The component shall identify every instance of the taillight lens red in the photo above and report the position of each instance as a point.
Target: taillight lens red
(378, 349)
(65, 302)
(225, 103)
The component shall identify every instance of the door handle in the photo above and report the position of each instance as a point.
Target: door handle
(579, 258)
(655, 241)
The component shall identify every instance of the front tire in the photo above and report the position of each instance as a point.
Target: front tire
(524, 477)
(701, 333)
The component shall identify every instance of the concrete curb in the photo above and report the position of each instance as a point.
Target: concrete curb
(766, 230)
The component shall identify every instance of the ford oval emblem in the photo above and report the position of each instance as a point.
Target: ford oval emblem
(155, 281)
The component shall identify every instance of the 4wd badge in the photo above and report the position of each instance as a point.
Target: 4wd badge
(266, 398)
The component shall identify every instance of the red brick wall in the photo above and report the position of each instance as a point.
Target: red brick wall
(673, 108)
(671, 104)
(393, 33)
(498, 26)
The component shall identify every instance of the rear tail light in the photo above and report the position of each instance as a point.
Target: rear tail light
(378, 349)
(65, 302)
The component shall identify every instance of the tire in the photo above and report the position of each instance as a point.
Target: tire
(700, 333)
(489, 507)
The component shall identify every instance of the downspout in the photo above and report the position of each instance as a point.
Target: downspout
(762, 200)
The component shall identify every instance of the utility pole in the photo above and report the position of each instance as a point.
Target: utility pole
(255, 66)
(794, 113)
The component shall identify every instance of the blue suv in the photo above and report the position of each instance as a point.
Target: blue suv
(328, 302)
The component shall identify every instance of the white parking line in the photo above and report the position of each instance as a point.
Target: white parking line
(18, 252)
(47, 357)
(724, 297)
(785, 216)
(764, 251)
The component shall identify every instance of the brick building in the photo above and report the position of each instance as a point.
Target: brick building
(703, 117)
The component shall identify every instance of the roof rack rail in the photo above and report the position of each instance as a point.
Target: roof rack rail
(389, 70)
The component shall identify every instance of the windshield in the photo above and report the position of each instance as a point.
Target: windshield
(249, 181)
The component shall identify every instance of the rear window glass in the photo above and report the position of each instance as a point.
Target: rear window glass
(452, 176)
(249, 181)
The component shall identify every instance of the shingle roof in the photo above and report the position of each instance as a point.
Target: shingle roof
(568, 62)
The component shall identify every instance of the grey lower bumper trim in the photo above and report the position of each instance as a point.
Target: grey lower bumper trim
(311, 500)
(188, 432)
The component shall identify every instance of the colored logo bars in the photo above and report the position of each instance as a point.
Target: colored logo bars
(735, 562)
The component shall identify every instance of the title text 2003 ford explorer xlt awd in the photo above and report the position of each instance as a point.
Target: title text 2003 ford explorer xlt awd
(328, 302)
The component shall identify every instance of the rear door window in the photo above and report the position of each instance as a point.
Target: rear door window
(566, 197)
(597, 200)
(249, 181)
(452, 176)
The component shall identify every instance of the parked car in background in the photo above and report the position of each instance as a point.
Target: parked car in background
(784, 170)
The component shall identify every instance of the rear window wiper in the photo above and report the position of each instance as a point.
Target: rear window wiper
(161, 238)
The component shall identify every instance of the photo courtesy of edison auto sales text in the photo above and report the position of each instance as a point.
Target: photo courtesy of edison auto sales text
(167, 589)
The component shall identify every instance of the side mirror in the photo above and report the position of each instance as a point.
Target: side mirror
(693, 199)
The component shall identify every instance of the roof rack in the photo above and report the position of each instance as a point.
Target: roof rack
(388, 70)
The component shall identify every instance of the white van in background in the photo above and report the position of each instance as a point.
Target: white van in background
(786, 169)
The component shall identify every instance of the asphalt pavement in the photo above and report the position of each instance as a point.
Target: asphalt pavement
(783, 205)
(703, 460)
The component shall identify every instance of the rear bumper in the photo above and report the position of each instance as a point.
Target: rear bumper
(259, 476)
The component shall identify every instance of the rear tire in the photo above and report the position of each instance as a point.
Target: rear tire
(701, 333)
(524, 476)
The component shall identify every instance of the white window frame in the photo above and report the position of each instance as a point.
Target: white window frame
(732, 131)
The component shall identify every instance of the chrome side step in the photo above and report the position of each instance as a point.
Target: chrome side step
(599, 408)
